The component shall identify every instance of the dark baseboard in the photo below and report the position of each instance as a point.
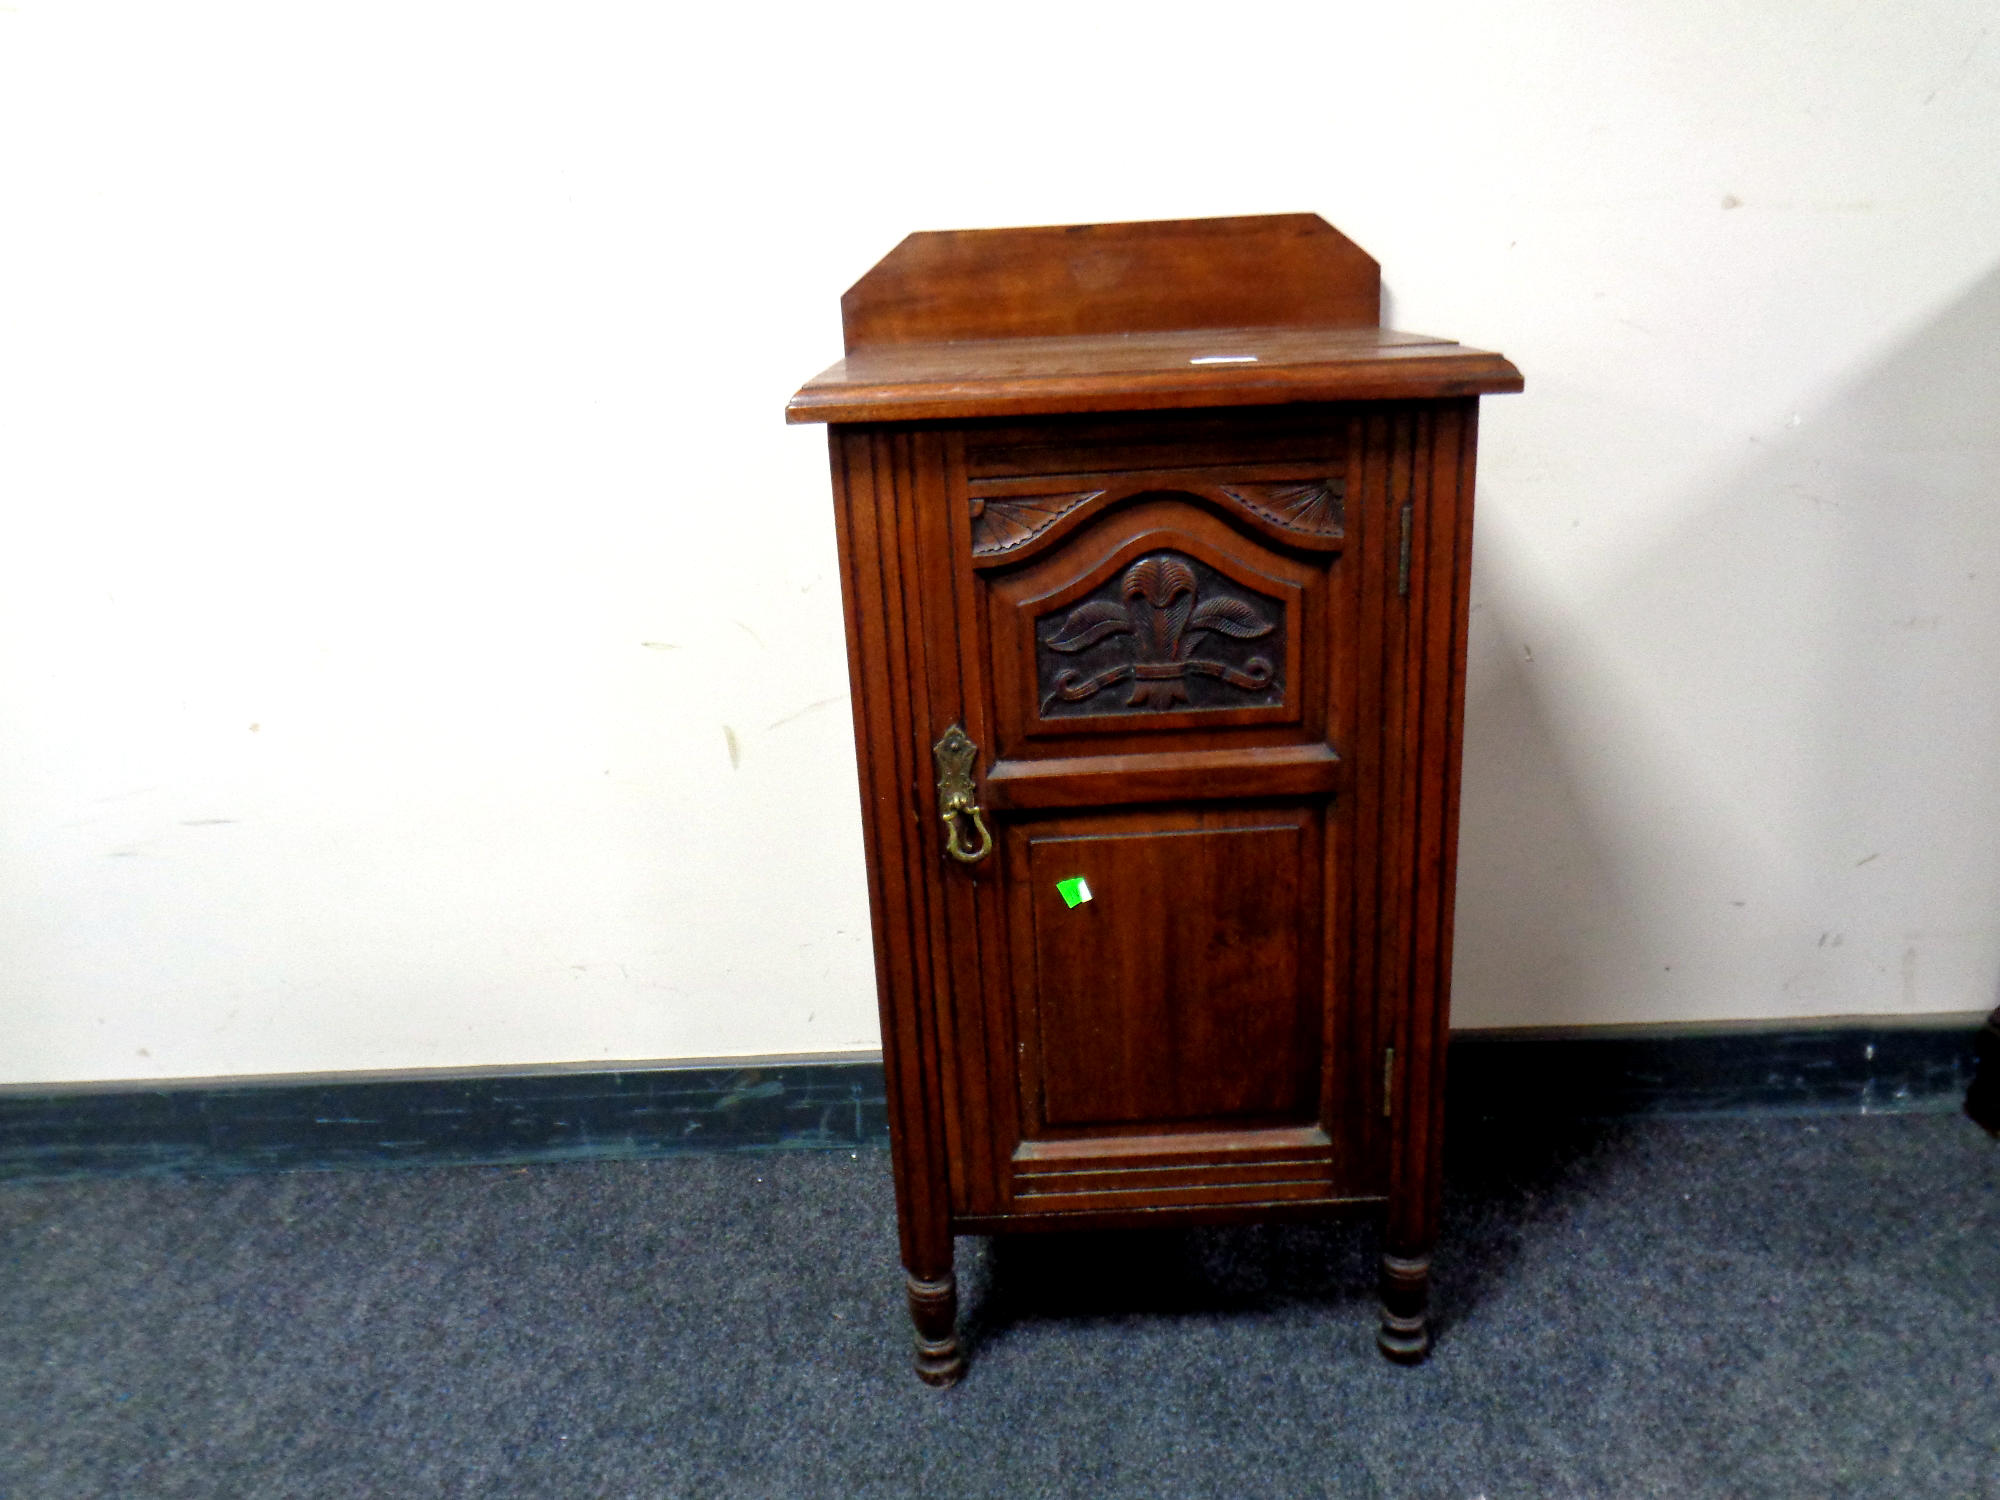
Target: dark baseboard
(1847, 1065)
(1982, 1100)
(572, 1113)
(488, 1115)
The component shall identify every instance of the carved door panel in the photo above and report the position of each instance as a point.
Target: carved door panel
(1163, 676)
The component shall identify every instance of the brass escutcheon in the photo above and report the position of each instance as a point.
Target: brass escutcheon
(957, 796)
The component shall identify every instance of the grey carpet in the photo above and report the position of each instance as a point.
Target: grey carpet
(1782, 1307)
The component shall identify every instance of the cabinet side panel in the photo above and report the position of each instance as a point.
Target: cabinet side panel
(875, 589)
(1459, 458)
(1440, 578)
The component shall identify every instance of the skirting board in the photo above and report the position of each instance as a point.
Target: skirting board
(629, 1111)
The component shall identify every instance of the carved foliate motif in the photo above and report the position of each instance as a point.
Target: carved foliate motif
(1169, 625)
(1002, 525)
(1317, 507)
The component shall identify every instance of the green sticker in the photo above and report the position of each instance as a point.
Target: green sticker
(1075, 890)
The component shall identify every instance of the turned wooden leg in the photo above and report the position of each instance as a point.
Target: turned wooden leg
(1405, 1335)
(934, 1309)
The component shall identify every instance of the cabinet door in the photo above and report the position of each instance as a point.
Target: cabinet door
(1167, 958)
(1161, 670)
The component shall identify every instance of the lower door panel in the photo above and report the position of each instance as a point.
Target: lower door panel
(1170, 979)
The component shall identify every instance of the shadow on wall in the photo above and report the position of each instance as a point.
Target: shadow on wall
(1753, 771)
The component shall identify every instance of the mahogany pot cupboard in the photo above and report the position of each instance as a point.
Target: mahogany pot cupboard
(1154, 553)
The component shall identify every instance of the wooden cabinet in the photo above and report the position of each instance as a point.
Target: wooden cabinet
(1154, 552)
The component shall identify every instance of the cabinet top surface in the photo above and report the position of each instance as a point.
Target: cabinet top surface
(1151, 371)
(1255, 311)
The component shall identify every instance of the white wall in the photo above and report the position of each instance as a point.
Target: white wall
(419, 635)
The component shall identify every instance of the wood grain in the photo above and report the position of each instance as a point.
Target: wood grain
(1065, 281)
(1167, 776)
(1140, 372)
(1181, 991)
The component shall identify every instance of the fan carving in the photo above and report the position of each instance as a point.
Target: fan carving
(1316, 507)
(1002, 525)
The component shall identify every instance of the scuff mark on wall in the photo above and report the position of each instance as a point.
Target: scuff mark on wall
(799, 713)
(735, 748)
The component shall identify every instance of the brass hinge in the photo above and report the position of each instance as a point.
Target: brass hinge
(1388, 1082)
(1406, 519)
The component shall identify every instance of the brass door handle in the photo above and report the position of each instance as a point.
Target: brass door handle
(958, 797)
